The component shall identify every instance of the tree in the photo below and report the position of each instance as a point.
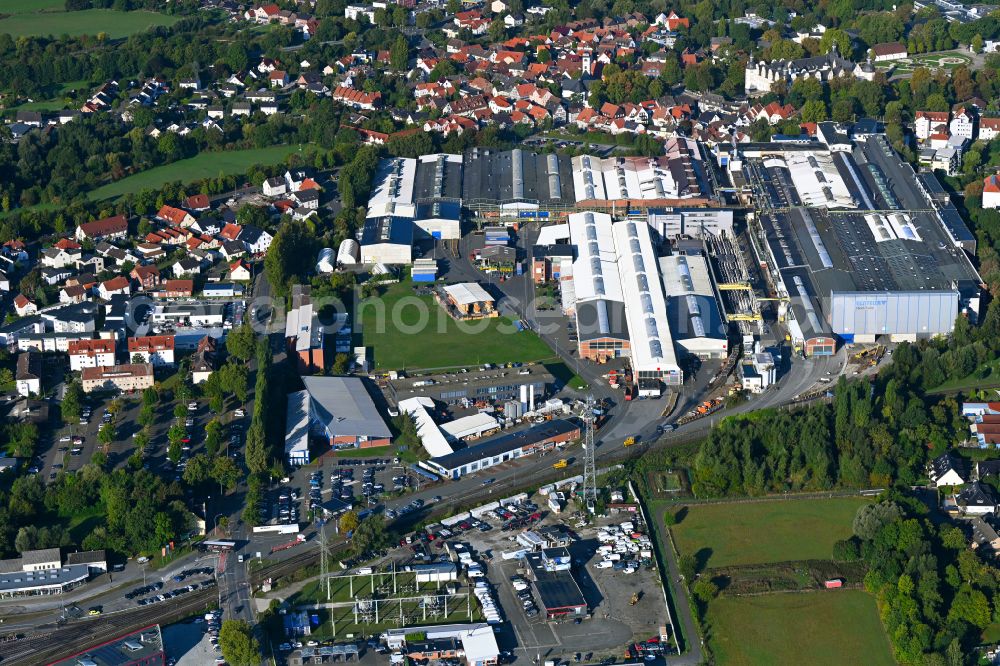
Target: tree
(399, 54)
(835, 37)
(174, 450)
(813, 111)
(688, 567)
(870, 518)
(255, 455)
(198, 470)
(239, 647)
(138, 359)
(296, 240)
(371, 534)
(21, 439)
(72, 402)
(225, 472)
(106, 435)
(241, 341)
(348, 522)
(180, 411)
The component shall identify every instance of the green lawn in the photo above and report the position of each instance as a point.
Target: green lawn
(987, 377)
(205, 165)
(761, 532)
(379, 451)
(414, 332)
(30, 6)
(111, 22)
(815, 628)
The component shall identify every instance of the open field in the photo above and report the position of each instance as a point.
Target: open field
(409, 331)
(30, 6)
(111, 22)
(205, 165)
(836, 627)
(771, 531)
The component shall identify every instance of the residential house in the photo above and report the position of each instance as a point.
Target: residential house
(24, 306)
(126, 378)
(273, 187)
(53, 276)
(116, 285)
(256, 239)
(306, 199)
(984, 535)
(991, 192)
(989, 128)
(74, 293)
(175, 216)
(147, 276)
(4, 282)
(90, 353)
(28, 375)
(963, 123)
(60, 256)
(239, 271)
(930, 122)
(204, 361)
(186, 266)
(948, 470)
(107, 228)
(72, 318)
(155, 349)
(176, 289)
(976, 499)
(197, 202)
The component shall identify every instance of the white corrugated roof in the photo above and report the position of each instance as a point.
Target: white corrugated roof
(469, 426)
(431, 436)
(652, 347)
(468, 293)
(595, 274)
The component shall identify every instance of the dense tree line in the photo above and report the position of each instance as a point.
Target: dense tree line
(934, 593)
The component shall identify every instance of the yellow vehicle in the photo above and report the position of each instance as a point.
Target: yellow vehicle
(629, 441)
(94, 611)
(560, 464)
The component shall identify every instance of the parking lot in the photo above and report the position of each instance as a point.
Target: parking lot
(611, 563)
(365, 483)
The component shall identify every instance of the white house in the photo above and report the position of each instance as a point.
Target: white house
(274, 187)
(991, 192)
(928, 122)
(963, 124)
(29, 374)
(948, 470)
(90, 353)
(116, 285)
(256, 240)
(155, 349)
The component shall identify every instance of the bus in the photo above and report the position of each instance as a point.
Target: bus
(218, 546)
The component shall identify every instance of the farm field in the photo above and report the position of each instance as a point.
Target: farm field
(837, 627)
(416, 333)
(767, 531)
(205, 165)
(111, 22)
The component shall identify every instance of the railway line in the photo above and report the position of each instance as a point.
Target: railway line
(56, 641)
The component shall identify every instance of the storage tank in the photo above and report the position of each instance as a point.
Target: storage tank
(349, 253)
(324, 264)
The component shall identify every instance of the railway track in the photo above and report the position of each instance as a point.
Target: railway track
(54, 641)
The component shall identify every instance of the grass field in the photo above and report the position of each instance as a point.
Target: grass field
(815, 628)
(30, 6)
(205, 165)
(986, 377)
(759, 532)
(409, 331)
(86, 22)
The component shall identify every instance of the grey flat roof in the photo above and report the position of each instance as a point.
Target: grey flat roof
(345, 407)
(27, 580)
(424, 185)
(505, 443)
(853, 259)
(489, 174)
(132, 648)
(601, 318)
